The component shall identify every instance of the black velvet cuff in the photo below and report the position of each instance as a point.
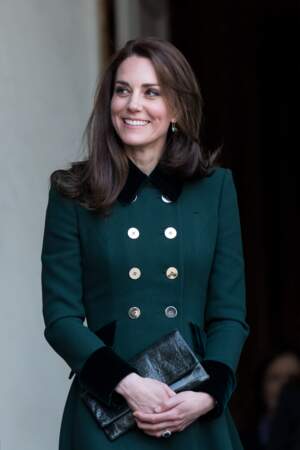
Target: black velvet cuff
(219, 386)
(102, 372)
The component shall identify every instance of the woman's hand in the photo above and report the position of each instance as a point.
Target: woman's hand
(142, 393)
(175, 413)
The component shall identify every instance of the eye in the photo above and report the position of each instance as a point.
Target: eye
(152, 92)
(121, 90)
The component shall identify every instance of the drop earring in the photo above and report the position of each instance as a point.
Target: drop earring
(174, 129)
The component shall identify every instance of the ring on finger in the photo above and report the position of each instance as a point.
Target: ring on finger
(166, 434)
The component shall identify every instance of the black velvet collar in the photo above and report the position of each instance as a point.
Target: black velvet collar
(168, 184)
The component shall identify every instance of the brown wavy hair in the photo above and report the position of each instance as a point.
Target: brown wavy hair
(97, 180)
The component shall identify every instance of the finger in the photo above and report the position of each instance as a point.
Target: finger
(158, 434)
(168, 404)
(156, 418)
(158, 426)
(170, 391)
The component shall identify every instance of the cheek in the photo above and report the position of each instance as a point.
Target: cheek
(116, 106)
(160, 114)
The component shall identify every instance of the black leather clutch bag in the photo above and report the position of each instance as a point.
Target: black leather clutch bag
(169, 360)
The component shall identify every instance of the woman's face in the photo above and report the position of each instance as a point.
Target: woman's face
(278, 373)
(139, 110)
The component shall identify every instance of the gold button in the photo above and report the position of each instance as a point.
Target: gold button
(133, 233)
(134, 273)
(134, 312)
(170, 233)
(171, 312)
(172, 273)
(166, 199)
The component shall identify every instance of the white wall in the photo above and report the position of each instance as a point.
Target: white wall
(48, 70)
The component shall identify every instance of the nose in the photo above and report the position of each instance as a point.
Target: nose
(134, 103)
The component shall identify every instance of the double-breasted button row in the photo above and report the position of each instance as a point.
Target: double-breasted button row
(135, 273)
(134, 312)
(169, 232)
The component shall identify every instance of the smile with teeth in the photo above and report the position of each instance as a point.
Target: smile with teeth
(136, 123)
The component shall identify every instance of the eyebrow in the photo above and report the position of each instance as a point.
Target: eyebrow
(144, 84)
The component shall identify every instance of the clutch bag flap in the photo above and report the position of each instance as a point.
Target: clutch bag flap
(169, 360)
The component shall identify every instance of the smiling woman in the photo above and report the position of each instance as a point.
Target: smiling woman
(142, 239)
(140, 113)
(147, 79)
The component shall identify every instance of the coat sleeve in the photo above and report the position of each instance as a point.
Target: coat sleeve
(99, 369)
(225, 316)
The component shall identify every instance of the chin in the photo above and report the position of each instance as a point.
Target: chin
(136, 142)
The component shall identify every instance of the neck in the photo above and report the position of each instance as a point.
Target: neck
(145, 159)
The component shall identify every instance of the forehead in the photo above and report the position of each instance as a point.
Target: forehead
(137, 70)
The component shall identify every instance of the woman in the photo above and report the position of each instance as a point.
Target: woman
(275, 372)
(285, 431)
(141, 238)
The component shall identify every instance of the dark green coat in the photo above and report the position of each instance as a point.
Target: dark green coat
(86, 263)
